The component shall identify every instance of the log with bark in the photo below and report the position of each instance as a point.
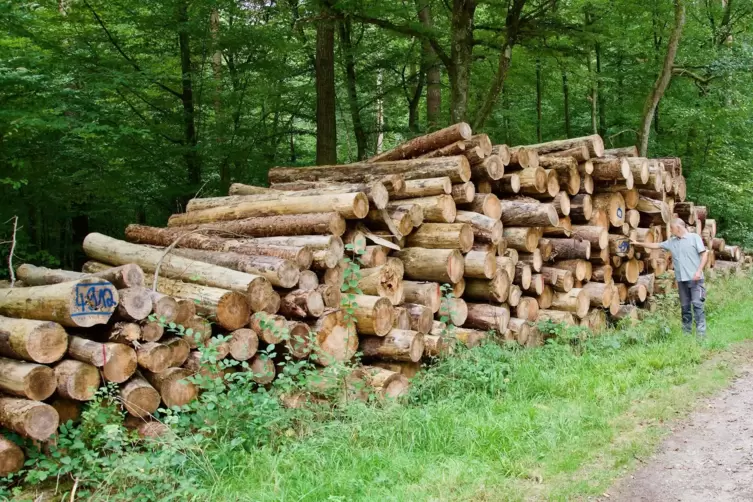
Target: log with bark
(77, 304)
(139, 398)
(599, 294)
(425, 188)
(581, 208)
(173, 386)
(532, 181)
(76, 380)
(485, 229)
(436, 209)
(28, 380)
(536, 285)
(426, 143)
(11, 457)
(480, 265)
(373, 315)
(495, 289)
(397, 345)
(31, 419)
(570, 249)
(126, 276)
(387, 384)
(463, 193)
(654, 207)
(522, 275)
(116, 360)
(336, 338)
(594, 143)
(487, 317)
(442, 236)
(423, 293)
(627, 272)
(560, 279)
(456, 168)
(385, 280)
(442, 265)
(278, 271)
(107, 249)
(575, 301)
(528, 214)
(598, 237)
(327, 223)
(528, 308)
(180, 349)
(41, 342)
(229, 309)
(490, 167)
(613, 206)
(154, 356)
(602, 273)
(557, 317)
(134, 304)
(421, 317)
(487, 204)
(349, 206)
(302, 303)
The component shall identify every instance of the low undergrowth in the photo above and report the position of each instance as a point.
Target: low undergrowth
(492, 423)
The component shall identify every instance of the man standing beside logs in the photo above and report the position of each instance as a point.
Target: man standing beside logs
(689, 256)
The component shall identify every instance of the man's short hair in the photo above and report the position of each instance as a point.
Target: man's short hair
(677, 222)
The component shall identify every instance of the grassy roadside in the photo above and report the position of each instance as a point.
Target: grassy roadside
(497, 424)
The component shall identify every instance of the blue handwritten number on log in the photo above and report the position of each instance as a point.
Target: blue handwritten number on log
(94, 299)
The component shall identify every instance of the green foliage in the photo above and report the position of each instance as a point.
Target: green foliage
(94, 132)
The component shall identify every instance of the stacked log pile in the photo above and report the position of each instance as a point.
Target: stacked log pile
(456, 240)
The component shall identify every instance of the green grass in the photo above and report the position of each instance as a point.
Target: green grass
(498, 424)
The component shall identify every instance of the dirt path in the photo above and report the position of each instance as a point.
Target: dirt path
(709, 457)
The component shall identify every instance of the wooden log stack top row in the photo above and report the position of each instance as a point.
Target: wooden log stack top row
(519, 234)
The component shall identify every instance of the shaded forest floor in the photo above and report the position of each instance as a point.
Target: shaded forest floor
(563, 422)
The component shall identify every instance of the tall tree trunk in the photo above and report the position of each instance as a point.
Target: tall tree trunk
(214, 26)
(599, 94)
(346, 42)
(380, 115)
(191, 155)
(414, 96)
(566, 98)
(326, 121)
(512, 24)
(662, 82)
(461, 54)
(430, 64)
(538, 100)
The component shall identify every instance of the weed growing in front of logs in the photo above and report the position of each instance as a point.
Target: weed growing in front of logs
(100, 456)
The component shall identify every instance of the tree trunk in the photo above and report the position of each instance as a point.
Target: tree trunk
(279, 272)
(346, 42)
(566, 100)
(457, 168)
(442, 265)
(528, 214)
(27, 380)
(662, 82)
(425, 188)
(122, 277)
(76, 304)
(350, 205)
(594, 143)
(599, 294)
(576, 301)
(134, 304)
(442, 236)
(117, 361)
(139, 398)
(36, 341)
(487, 317)
(190, 141)
(480, 265)
(336, 338)
(494, 290)
(30, 419)
(423, 293)
(11, 457)
(76, 380)
(557, 316)
(386, 383)
(288, 224)
(538, 100)
(430, 64)
(376, 192)
(103, 248)
(374, 315)
(229, 309)
(173, 386)
(301, 303)
(463, 193)
(326, 118)
(485, 229)
(385, 280)
(427, 143)
(397, 345)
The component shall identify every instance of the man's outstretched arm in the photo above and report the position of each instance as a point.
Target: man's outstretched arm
(646, 245)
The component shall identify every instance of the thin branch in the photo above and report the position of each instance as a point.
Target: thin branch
(122, 53)
(12, 250)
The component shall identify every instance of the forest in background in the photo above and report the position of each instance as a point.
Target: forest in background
(114, 112)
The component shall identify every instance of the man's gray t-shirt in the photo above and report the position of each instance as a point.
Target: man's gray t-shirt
(686, 254)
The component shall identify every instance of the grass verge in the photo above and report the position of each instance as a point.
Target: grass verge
(498, 424)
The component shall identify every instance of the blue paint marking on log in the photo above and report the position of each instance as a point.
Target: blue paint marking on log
(94, 299)
(624, 245)
(619, 212)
